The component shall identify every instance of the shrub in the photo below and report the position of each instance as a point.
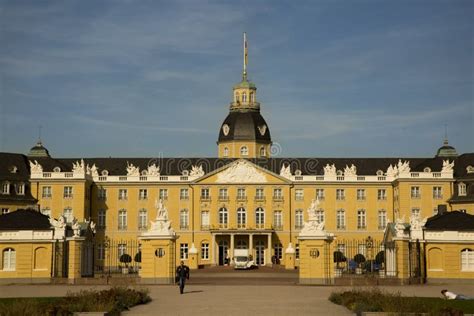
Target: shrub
(125, 258)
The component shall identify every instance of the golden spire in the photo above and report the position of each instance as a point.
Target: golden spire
(244, 74)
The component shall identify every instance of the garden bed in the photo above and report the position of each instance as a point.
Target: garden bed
(111, 301)
(375, 300)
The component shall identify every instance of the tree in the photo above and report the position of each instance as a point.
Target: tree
(138, 256)
(339, 257)
(359, 259)
(126, 259)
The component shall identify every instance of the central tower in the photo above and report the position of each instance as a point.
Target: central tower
(244, 132)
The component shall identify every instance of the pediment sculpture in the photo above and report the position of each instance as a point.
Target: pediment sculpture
(403, 167)
(132, 170)
(392, 171)
(447, 166)
(161, 226)
(285, 171)
(36, 167)
(241, 172)
(76, 228)
(416, 223)
(196, 171)
(330, 170)
(93, 171)
(350, 171)
(400, 227)
(59, 226)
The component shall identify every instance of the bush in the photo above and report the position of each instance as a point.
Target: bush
(125, 258)
(113, 301)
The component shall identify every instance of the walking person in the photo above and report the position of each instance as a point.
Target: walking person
(182, 273)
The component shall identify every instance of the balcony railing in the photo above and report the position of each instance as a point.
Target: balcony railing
(278, 198)
(223, 198)
(205, 227)
(260, 199)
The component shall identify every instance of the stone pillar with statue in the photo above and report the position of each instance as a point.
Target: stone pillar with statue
(316, 264)
(158, 249)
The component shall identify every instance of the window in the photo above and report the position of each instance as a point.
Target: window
(46, 211)
(68, 214)
(184, 194)
(226, 152)
(205, 194)
(100, 252)
(205, 251)
(5, 210)
(341, 219)
(20, 189)
(142, 219)
(163, 194)
(143, 194)
(467, 260)
(241, 217)
(251, 96)
(223, 194)
(237, 97)
(9, 259)
(320, 194)
(437, 192)
(415, 212)
(299, 194)
(259, 194)
(184, 219)
(68, 192)
(122, 194)
(361, 219)
(277, 194)
(278, 251)
(6, 188)
(46, 192)
(260, 217)
(297, 251)
(241, 194)
(299, 219)
(244, 97)
(340, 194)
(122, 249)
(320, 215)
(101, 218)
(102, 194)
(263, 152)
(415, 192)
(462, 189)
(360, 194)
(277, 220)
(122, 220)
(205, 220)
(382, 219)
(381, 194)
(183, 251)
(244, 151)
(223, 217)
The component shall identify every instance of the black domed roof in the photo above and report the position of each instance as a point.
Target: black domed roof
(38, 150)
(446, 150)
(245, 126)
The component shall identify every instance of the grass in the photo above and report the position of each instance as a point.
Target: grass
(113, 301)
(377, 301)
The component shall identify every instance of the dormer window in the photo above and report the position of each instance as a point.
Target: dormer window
(427, 169)
(13, 169)
(144, 172)
(244, 97)
(470, 169)
(57, 169)
(237, 97)
(379, 172)
(226, 152)
(104, 173)
(244, 151)
(20, 189)
(263, 152)
(6, 188)
(462, 189)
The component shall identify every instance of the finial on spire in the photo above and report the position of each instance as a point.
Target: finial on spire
(244, 74)
(39, 133)
(445, 133)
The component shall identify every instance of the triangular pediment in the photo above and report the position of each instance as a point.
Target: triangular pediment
(241, 171)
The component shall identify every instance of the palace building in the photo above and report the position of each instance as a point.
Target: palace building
(242, 199)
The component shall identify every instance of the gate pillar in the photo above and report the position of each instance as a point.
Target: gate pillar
(403, 259)
(193, 258)
(290, 257)
(74, 258)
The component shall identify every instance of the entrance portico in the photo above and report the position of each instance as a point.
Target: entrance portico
(258, 243)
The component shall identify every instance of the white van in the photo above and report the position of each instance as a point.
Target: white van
(242, 259)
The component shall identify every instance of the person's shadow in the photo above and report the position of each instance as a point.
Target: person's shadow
(190, 292)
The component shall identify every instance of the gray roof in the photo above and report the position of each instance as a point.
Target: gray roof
(245, 126)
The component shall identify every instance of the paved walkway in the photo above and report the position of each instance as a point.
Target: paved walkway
(236, 299)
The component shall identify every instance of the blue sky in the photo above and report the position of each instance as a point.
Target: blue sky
(145, 78)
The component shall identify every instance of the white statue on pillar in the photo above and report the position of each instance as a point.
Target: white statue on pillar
(447, 166)
(161, 225)
(313, 226)
(330, 170)
(59, 226)
(35, 167)
(76, 228)
(285, 171)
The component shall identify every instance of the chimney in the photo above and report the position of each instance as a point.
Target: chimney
(442, 208)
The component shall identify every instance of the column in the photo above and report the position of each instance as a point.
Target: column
(74, 259)
(231, 255)
(213, 249)
(268, 259)
(251, 246)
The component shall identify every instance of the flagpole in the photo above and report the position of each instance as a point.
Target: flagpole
(245, 57)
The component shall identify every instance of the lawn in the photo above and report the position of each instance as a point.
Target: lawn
(112, 301)
(377, 301)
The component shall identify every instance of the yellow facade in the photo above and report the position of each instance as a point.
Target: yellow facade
(234, 149)
(444, 261)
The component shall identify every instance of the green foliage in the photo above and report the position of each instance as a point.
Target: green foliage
(380, 257)
(138, 256)
(125, 258)
(113, 301)
(359, 258)
(339, 257)
(377, 301)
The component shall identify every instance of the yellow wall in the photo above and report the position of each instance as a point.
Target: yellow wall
(444, 261)
(33, 261)
(234, 149)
